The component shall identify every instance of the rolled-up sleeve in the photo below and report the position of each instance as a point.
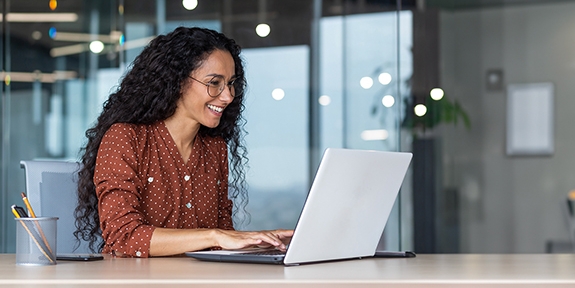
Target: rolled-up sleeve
(118, 187)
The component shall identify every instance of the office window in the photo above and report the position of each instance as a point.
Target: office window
(58, 85)
(364, 82)
(277, 115)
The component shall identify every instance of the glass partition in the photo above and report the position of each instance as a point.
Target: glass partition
(491, 201)
(362, 98)
(306, 85)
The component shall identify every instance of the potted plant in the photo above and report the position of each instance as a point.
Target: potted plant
(422, 114)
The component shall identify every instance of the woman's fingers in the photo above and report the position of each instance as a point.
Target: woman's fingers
(283, 234)
(240, 239)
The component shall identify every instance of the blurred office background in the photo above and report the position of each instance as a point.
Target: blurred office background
(493, 160)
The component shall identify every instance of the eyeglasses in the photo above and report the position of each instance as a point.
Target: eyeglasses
(216, 86)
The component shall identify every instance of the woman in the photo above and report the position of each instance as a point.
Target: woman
(154, 180)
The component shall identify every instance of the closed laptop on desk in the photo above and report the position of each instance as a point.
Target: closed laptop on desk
(345, 212)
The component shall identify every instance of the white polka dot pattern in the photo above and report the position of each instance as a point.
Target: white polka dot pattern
(142, 182)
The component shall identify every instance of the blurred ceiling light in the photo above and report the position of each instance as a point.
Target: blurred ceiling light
(366, 82)
(96, 47)
(52, 32)
(190, 4)
(420, 110)
(83, 47)
(42, 77)
(68, 50)
(36, 35)
(263, 30)
(278, 94)
(114, 37)
(436, 94)
(137, 43)
(384, 78)
(41, 17)
(371, 135)
(388, 101)
(324, 100)
(53, 4)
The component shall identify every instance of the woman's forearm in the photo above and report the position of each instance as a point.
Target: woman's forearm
(166, 241)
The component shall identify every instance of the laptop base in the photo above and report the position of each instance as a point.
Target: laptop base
(257, 259)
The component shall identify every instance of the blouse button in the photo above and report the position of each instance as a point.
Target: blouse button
(189, 205)
(187, 177)
(139, 253)
(150, 179)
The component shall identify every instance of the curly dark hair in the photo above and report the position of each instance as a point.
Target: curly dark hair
(148, 93)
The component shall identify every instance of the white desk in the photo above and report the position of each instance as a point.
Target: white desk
(432, 270)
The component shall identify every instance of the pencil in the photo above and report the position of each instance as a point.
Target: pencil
(33, 215)
(30, 210)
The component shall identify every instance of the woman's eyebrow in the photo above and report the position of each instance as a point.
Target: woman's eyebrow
(216, 74)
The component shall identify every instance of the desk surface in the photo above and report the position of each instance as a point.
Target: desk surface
(431, 270)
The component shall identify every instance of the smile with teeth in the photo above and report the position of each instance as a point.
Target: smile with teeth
(215, 108)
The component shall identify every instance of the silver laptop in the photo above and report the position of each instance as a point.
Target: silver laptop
(344, 214)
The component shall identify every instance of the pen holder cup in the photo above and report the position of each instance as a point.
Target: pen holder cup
(36, 241)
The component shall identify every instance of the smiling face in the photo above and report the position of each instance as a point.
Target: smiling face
(196, 104)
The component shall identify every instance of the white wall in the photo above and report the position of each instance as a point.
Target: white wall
(508, 204)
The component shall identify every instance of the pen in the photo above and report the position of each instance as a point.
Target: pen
(19, 212)
(15, 211)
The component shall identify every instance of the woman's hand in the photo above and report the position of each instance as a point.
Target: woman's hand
(231, 239)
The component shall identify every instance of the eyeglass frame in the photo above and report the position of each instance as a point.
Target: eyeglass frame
(229, 85)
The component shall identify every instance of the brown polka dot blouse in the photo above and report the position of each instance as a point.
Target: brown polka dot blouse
(142, 182)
